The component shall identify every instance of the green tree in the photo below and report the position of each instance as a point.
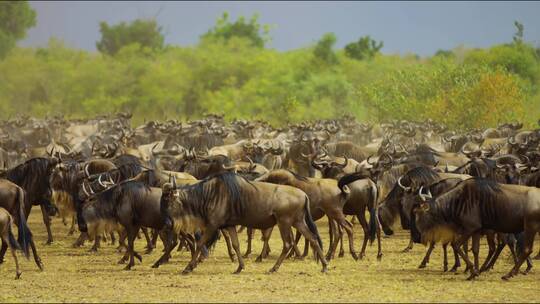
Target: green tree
(146, 33)
(324, 49)
(364, 48)
(251, 30)
(15, 18)
(518, 36)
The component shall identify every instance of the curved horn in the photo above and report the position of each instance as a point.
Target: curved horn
(100, 182)
(341, 165)
(251, 164)
(86, 170)
(228, 168)
(402, 187)
(369, 161)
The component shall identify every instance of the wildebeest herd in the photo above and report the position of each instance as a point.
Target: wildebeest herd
(189, 183)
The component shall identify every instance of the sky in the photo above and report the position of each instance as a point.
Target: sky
(404, 27)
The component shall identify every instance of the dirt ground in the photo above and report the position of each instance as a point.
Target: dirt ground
(77, 275)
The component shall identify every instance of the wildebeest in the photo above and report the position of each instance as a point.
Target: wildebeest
(476, 204)
(226, 200)
(33, 177)
(8, 239)
(13, 199)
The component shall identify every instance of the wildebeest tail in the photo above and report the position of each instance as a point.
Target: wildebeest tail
(11, 238)
(211, 243)
(372, 214)
(81, 222)
(25, 235)
(311, 224)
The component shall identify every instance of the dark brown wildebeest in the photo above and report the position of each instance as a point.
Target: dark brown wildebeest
(13, 199)
(226, 200)
(8, 239)
(132, 204)
(33, 177)
(476, 204)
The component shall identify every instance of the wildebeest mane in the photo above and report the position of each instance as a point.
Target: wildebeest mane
(207, 193)
(32, 176)
(129, 190)
(469, 193)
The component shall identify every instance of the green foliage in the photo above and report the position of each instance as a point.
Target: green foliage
(323, 50)
(364, 48)
(15, 18)
(463, 88)
(250, 30)
(146, 33)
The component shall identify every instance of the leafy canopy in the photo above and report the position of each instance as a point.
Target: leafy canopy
(15, 18)
(146, 33)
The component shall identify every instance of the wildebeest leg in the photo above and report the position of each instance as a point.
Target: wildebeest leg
(445, 257)
(349, 229)
(476, 250)
(113, 238)
(410, 245)
(331, 234)
(183, 242)
(169, 242)
(236, 246)
(47, 222)
(363, 222)
(121, 240)
(490, 236)
(341, 250)
(468, 262)
(494, 257)
(72, 228)
(426, 257)
(131, 234)
(149, 244)
(285, 231)
(37, 259)
(528, 240)
(96, 243)
(249, 233)
(3, 251)
(457, 263)
(228, 242)
(80, 240)
(155, 235)
(378, 234)
(529, 265)
(205, 236)
(334, 239)
(266, 242)
(302, 227)
(17, 269)
(266, 247)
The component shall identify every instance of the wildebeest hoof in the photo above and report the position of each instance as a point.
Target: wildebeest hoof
(156, 265)
(40, 265)
(93, 249)
(407, 249)
(18, 275)
(238, 270)
(423, 265)
(473, 275)
(341, 254)
(324, 270)
(258, 259)
(186, 271)
(122, 261)
(1, 261)
(379, 256)
(506, 277)
(49, 242)
(128, 267)
(272, 270)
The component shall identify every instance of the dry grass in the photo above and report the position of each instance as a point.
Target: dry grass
(76, 275)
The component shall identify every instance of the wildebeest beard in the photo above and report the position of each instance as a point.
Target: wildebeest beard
(195, 203)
